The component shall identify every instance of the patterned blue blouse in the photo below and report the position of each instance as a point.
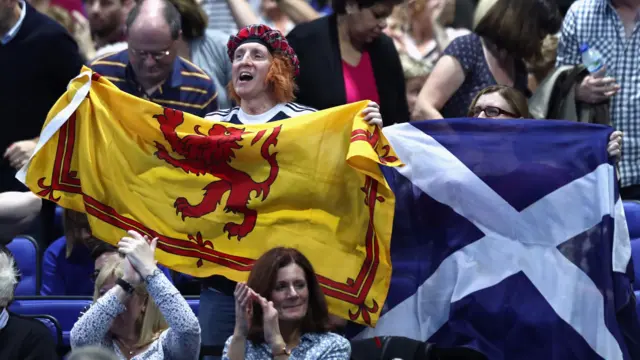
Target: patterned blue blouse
(467, 49)
(180, 342)
(313, 346)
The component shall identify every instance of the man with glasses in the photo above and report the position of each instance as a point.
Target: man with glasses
(150, 67)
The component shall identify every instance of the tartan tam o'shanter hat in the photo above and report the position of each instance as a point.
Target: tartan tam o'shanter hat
(270, 38)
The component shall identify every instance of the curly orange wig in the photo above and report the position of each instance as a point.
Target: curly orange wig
(280, 81)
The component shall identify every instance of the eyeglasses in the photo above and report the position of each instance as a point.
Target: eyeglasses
(156, 55)
(491, 111)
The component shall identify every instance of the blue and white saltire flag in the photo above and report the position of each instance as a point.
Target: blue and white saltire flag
(509, 238)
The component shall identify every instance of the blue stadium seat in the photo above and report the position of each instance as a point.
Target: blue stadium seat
(635, 257)
(637, 302)
(65, 309)
(26, 254)
(632, 213)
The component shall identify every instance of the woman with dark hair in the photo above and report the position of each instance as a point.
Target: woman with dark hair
(504, 102)
(507, 35)
(281, 313)
(345, 57)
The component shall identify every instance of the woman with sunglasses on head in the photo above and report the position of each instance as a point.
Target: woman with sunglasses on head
(504, 102)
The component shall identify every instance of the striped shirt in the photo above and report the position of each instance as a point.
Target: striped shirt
(279, 112)
(220, 16)
(596, 23)
(188, 88)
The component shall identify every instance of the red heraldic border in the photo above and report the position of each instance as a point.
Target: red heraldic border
(353, 291)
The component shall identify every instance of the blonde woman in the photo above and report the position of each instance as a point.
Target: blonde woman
(137, 312)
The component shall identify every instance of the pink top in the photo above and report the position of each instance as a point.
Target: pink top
(70, 5)
(359, 82)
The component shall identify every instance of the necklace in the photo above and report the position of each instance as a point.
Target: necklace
(130, 351)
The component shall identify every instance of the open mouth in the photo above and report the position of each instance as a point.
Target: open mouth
(245, 76)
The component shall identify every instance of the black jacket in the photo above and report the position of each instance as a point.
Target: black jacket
(26, 339)
(321, 82)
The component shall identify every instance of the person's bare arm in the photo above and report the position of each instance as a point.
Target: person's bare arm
(299, 11)
(442, 83)
(242, 13)
(17, 212)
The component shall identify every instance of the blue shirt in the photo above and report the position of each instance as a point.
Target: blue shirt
(323, 346)
(188, 88)
(14, 30)
(67, 276)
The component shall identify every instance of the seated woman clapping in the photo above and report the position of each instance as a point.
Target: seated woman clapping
(137, 312)
(281, 313)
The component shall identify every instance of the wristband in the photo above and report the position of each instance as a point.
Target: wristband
(125, 286)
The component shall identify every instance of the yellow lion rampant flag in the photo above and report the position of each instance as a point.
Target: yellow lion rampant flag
(219, 195)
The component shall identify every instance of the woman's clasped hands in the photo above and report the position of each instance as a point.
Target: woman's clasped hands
(245, 299)
(139, 254)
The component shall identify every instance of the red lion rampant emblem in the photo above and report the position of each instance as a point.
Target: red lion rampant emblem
(211, 153)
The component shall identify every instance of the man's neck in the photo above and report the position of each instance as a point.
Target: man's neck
(184, 49)
(258, 105)
(11, 21)
(111, 38)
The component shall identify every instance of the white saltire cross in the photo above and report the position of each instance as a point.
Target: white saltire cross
(514, 242)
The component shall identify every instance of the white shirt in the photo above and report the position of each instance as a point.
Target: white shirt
(4, 318)
(279, 112)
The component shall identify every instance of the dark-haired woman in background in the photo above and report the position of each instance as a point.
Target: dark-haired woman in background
(504, 102)
(281, 313)
(509, 33)
(345, 58)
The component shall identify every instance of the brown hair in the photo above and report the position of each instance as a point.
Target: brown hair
(74, 223)
(541, 66)
(513, 97)
(193, 18)
(262, 280)
(520, 26)
(280, 80)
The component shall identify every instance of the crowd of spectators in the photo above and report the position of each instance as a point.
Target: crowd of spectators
(413, 59)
